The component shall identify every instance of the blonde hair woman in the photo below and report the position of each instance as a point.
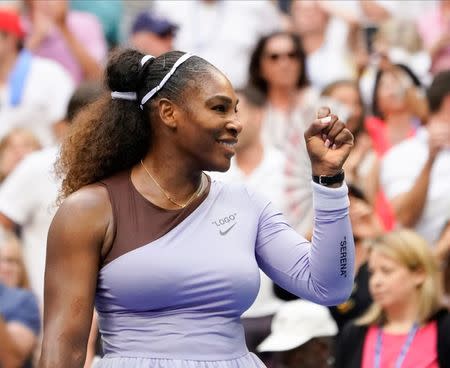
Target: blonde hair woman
(12, 266)
(406, 325)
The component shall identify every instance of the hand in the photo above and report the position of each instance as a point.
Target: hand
(59, 13)
(328, 142)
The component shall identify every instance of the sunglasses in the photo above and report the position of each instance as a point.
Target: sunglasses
(274, 56)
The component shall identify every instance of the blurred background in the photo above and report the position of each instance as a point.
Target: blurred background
(382, 66)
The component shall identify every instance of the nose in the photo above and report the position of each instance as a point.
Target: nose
(234, 126)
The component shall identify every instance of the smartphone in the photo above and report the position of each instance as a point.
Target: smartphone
(369, 36)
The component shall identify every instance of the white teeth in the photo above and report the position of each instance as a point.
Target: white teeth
(227, 144)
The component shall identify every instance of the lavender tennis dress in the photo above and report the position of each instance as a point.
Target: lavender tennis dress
(175, 301)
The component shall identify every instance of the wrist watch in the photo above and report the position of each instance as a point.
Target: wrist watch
(329, 180)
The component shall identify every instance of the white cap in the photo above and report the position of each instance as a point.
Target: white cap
(296, 323)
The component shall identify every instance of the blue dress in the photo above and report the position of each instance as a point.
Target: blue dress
(176, 302)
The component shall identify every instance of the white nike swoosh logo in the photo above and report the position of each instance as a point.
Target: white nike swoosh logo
(227, 230)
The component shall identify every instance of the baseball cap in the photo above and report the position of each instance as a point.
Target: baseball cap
(296, 323)
(146, 21)
(10, 23)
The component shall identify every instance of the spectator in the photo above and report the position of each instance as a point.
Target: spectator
(35, 91)
(378, 11)
(406, 323)
(361, 158)
(260, 167)
(395, 41)
(74, 39)
(19, 327)
(321, 43)
(28, 196)
(223, 32)
(278, 70)
(151, 34)
(434, 27)
(302, 335)
(399, 108)
(442, 253)
(13, 272)
(419, 192)
(400, 40)
(109, 13)
(18, 143)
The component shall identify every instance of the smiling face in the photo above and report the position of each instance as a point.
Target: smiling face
(391, 283)
(207, 127)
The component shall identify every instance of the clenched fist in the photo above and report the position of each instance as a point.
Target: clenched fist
(328, 142)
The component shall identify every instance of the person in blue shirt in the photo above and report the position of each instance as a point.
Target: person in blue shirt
(20, 325)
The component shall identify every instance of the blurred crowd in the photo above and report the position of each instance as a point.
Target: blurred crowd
(382, 66)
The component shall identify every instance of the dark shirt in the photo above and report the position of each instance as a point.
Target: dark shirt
(358, 302)
(353, 308)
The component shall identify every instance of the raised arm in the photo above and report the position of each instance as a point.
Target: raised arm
(409, 205)
(321, 271)
(79, 233)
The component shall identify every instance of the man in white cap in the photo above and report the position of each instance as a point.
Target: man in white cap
(302, 336)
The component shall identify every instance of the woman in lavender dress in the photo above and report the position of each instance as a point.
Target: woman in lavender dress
(169, 258)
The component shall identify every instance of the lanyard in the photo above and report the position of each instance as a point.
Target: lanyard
(18, 77)
(403, 351)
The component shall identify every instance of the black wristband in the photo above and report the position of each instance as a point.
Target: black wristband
(329, 180)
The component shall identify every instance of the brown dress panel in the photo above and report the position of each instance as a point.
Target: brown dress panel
(137, 221)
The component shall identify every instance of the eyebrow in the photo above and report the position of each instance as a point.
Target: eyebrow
(223, 98)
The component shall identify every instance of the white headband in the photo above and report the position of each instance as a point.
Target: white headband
(132, 96)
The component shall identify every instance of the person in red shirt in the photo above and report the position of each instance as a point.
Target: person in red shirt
(399, 108)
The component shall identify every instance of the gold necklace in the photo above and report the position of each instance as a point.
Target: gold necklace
(196, 194)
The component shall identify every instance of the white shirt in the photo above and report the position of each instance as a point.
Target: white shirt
(224, 32)
(267, 179)
(28, 197)
(277, 125)
(400, 168)
(47, 91)
(406, 9)
(329, 63)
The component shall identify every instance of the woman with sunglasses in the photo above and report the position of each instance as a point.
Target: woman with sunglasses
(278, 70)
(406, 325)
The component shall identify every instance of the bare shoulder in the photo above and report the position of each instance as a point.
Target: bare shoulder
(85, 214)
(90, 199)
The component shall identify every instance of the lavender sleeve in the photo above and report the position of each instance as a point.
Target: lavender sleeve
(322, 270)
